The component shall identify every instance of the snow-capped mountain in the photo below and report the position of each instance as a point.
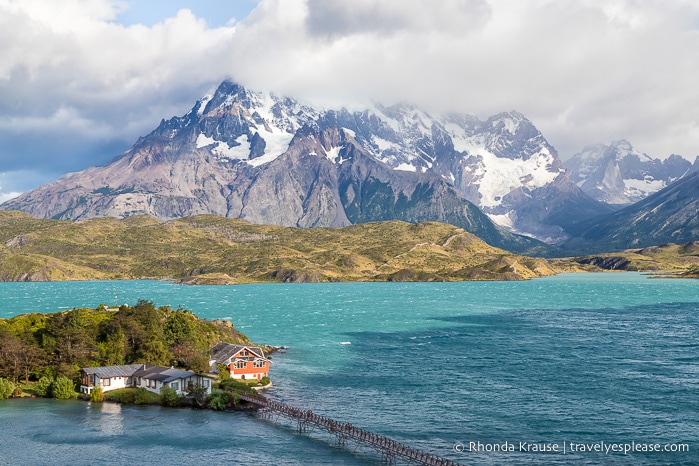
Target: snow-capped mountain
(617, 174)
(670, 215)
(504, 165)
(241, 153)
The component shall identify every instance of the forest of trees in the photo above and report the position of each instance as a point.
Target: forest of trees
(33, 346)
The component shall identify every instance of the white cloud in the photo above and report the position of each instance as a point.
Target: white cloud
(77, 87)
(69, 72)
(7, 196)
(583, 71)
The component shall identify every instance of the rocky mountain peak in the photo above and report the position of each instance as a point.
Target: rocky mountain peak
(504, 165)
(618, 174)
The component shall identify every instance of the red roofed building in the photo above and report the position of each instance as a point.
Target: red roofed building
(243, 361)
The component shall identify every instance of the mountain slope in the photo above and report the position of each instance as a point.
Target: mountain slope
(237, 153)
(504, 165)
(617, 174)
(323, 179)
(671, 215)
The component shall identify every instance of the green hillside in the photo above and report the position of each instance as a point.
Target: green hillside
(59, 344)
(212, 249)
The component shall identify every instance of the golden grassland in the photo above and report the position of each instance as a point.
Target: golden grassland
(209, 249)
(679, 260)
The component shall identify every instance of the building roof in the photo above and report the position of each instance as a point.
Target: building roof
(147, 371)
(222, 352)
(108, 372)
(164, 374)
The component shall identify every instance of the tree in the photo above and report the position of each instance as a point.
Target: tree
(179, 328)
(9, 355)
(73, 338)
(113, 349)
(197, 395)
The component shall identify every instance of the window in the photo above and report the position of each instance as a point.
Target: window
(260, 363)
(106, 382)
(205, 383)
(175, 385)
(240, 364)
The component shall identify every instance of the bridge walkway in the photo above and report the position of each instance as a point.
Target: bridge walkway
(389, 449)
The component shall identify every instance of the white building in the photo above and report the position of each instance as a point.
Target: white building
(152, 378)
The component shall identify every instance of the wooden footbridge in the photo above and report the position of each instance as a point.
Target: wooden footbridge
(391, 451)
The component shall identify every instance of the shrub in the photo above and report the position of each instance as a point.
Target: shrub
(97, 394)
(63, 389)
(169, 397)
(223, 372)
(218, 400)
(122, 395)
(265, 381)
(233, 384)
(17, 392)
(43, 386)
(196, 396)
(144, 397)
(6, 388)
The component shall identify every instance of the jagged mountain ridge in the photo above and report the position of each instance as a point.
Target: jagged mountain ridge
(503, 165)
(617, 174)
(323, 178)
(670, 215)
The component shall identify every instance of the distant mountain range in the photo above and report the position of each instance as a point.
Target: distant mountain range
(617, 174)
(670, 215)
(275, 160)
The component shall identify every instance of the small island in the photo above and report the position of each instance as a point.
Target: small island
(139, 354)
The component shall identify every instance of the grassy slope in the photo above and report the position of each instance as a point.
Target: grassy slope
(680, 259)
(212, 249)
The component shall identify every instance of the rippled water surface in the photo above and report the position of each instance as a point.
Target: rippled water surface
(581, 358)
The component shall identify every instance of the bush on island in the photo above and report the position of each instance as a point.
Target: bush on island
(6, 388)
(63, 388)
(233, 385)
(43, 386)
(144, 397)
(169, 397)
(97, 394)
(265, 381)
(219, 400)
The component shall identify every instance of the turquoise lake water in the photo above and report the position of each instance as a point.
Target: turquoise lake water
(576, 359)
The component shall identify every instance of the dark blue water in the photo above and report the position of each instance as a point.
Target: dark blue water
(580, 359)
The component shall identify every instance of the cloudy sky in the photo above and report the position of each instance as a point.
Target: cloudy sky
(80, 80)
